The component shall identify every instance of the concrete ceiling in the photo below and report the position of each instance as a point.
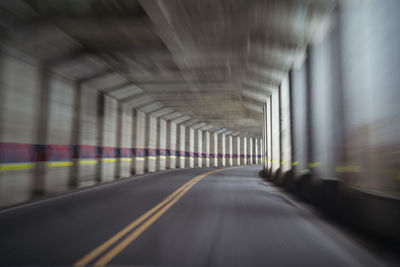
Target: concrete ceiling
(211, 61)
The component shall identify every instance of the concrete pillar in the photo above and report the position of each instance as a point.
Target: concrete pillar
(162, 144)
(108, 139)
(250, 151)
(189, 151)
(229, 150)
(256, 152)
(269, 133)
(199, 146)
(285, 132)
(243, 155)
(151, 143)
(214, 149)
(221, 150)
(182, 145)
(88, 135)
(206, 148)
(125, 141)
(260, 151)
(140, 143)
(236, 151)
(171, 144)
(276, 140)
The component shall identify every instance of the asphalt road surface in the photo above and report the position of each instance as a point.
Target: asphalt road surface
(202, 216)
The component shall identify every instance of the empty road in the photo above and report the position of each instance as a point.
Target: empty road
(203, 216)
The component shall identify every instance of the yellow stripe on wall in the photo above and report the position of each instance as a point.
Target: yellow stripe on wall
(87, 162)
(16, 166)
(60, 164)
(126, 159)
(109, 160)
(139, 158)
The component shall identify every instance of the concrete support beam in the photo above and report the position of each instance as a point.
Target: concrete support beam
(243, 155)
(182, 145)
(189, 148)
(124, 142)
(171, 144)
(206, 148)
(151, 143)
(108, 138)
(285, 131)
(162, 144)
(255, 160)
(140, 141)
(221, 150)
(236, 151)
(250, 151)
(275, 127)
(214, 149)
(229, 150)
(199, 148)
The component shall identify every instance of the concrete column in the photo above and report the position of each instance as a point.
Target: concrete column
(140, 141)
(250, 151)
(221, 150)
(189, 152)
(276, 140)
(162, 144)
(88, 135)
(236, 151)
(260, 151)
(125, 141)
(255, 160)
(182, 144)
(214, 149)
(243, 155)
(199, 148)
(229, 150)
(151, 143)
(108, 138)
(171, 144)
(269, 133)
(206, 148)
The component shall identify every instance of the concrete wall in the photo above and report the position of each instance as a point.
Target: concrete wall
(57, 134)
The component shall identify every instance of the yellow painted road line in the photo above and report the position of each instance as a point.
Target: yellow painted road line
(131, 237)
(100, 249)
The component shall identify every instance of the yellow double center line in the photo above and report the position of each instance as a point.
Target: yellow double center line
(146, 220)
